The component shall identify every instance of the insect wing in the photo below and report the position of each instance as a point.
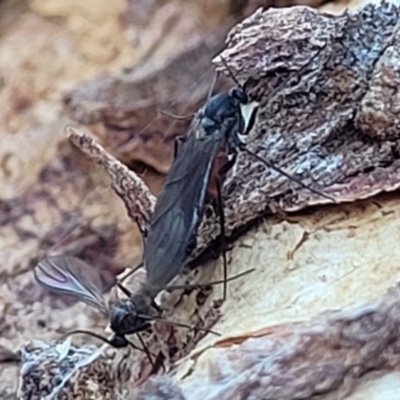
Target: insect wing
(178, 210)
(72, 276)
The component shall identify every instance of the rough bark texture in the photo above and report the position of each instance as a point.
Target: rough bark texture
(304, 360)
(334, 126)
(138, 200)
(314, 128)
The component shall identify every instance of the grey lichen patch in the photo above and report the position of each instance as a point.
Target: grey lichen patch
(379, 111)
(63, 371)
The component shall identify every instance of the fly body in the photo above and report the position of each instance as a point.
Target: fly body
(204, 157)
(195, 178)
(75, 277)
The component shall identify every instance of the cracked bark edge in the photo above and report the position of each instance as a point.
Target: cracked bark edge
(329, 352)
(129, 186)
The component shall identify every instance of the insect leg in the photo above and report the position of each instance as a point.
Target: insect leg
(230, 73)
(95, 335)
(221, 213)
(200, 285)
(146, 350)
(127, 292)
(131, 272)
(269, 164)
(173, 116)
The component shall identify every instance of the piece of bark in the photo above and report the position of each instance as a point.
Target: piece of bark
(313, 128)
(300, 361)
(129, 186)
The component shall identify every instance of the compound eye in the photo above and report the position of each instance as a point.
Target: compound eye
(240, 95)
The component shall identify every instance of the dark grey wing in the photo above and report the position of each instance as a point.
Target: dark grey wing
(72, 276)
(178, 210)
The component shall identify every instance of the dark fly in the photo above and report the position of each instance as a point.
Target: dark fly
(169, 242)
(75, 277)
(133, 315)
(195, 179)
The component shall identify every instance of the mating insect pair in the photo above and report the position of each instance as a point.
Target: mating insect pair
(195, 179)
(170, 238)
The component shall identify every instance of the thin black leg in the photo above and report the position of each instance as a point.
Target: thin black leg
(223, 238)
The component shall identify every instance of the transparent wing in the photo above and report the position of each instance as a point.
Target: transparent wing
(72, 276)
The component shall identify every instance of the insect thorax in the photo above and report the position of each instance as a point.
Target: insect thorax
(219, 109)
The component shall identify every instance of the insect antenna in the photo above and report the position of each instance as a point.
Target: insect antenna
(174, 116)
(110, 343)
(170, 105)
(213, 84)
(95, 335)
(184, 118)
(230, 73)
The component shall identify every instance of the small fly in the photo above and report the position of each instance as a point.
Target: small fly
(133, 315)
